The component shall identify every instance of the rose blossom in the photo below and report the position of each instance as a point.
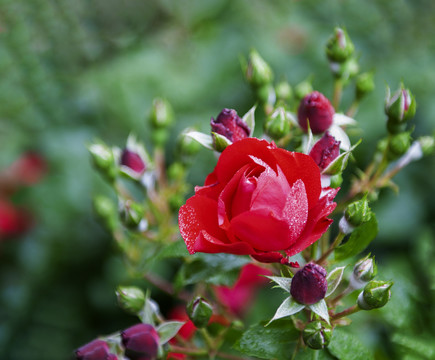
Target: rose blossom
(259, 199)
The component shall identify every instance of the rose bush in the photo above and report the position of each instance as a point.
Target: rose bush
(259, 200)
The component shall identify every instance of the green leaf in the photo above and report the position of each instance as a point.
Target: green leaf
(217, 269)
(346, 346)
(277, 341)
(288, 307)
(320, 308)
(173, 250)
(360, 238)
(422, 346)
(310, 354)
(204, 139)
(283, 282)
(333, 279)
(249, 119)
(168, 330)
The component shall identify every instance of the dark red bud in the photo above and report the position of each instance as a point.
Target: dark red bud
(141, 342)
(309, 284)
(325, 150)
(230, 125)
(317, 109)
(95, 350)
(133, 161)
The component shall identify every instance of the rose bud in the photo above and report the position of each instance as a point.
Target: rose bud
(399, 108)
(398, 145)
(375, 295)
(141, 342)
(339, 47)
(131, 213)
(317, 334)
(363, 271)
(229, 125)
(303, 89)
(186, 145)
(258, 72)
(309, 284)
(283, 91)
(364, 84)
(427, 144)
(277, 125)
(325, 150)
(130, 298)
(95, 350)
(133, 162)
(103, 159)
(358, 212)
(161, 115)
(316, 110)
(200, 312)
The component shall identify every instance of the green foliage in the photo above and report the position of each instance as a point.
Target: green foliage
(346, 346)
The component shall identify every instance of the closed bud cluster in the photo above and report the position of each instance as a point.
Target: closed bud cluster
(317, 334)
(363, 272)
(130, 298)
(309, 284)
(375, 295)
(364, 84)
(358, 212)
(398, 145)
(339, 47)
(316, 111)
(325, 151)
(200, 312)
(399, 108)
(277, 125)
(258, 72)
(229, 126)
(95, 350)
(140, 342)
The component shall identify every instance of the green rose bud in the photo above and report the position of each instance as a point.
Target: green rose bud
(375, 295)
(427, 144)
(266, 95)
(186, 145)
(106, 209)
(398, 145)
(358, 212)
(364, 84)
(277, 125)
(346, 70)
(317, 334)
(303, 88)
(176, 171)
(258, 72)
(283, 91)
(363, 271)
(162, 115)
(131, 213)
(339, 47)
(199, 311)
(400, 107)
(130, 298)
(103, 160)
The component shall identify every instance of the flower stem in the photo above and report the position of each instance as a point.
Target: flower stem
(338, 89)
(187, 351)
(348, 311)
(336, 242)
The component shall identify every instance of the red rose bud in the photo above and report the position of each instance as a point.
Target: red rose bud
(141, 342)
(309, 284)
(133, 161)
(339, 47)
(95, 350)
(376, 294)
(316, 109)
(325, 151)
(230, 125)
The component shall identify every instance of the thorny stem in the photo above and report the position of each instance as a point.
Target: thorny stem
(336, 242)
(348, 311)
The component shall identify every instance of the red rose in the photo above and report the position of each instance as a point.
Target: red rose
(259, 199)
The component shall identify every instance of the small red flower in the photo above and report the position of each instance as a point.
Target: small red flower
(259, 199)
(230, 125)
(316, 109)
(95, 350)
(325, 151)
(309, 284)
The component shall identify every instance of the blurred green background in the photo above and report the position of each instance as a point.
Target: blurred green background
(75, 70)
